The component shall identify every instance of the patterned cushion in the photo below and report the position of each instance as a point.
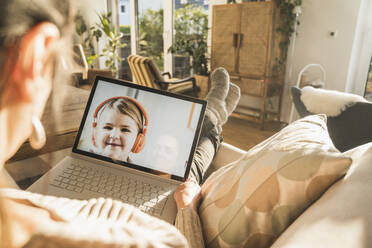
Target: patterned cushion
(250, 202)
(342, 216)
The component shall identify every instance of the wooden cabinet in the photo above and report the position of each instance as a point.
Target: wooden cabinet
(246, 44)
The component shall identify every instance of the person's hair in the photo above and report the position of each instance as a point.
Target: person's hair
(125, 107)
(18, 17)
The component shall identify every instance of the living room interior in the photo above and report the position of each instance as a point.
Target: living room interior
(335, 35)
(340, 46)
(330, 48)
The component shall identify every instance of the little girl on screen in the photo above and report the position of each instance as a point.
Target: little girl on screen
(119, 128)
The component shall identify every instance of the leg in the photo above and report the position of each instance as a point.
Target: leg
(208, 144)
(222, 100)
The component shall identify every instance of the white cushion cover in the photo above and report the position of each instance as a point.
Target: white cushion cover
(342, 217)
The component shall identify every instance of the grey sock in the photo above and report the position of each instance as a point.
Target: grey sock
(217, 94)
(232, 98)
(219, 84)
(213, 118)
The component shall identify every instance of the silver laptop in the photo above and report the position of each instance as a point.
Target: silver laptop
(134, 144)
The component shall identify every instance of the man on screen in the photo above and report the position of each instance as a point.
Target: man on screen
(165, 153)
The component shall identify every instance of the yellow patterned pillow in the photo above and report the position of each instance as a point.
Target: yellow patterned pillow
(250, 202)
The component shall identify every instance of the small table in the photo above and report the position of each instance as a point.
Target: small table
(25, 172)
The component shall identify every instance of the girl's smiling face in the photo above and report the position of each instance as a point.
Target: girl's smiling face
(115, 134)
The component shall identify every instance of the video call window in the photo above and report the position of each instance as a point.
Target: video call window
(140, 127)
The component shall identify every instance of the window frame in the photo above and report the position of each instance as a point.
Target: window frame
(168, 28)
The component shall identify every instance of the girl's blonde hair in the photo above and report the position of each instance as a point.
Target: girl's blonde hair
(17, 17)
(125, 107)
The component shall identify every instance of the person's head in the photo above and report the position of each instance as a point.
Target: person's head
(119, 128)
(165, 152)
(33, 35)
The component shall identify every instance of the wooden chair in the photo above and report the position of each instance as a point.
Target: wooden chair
(146, 73)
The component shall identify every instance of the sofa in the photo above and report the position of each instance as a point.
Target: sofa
(327, 207)
(342, 217)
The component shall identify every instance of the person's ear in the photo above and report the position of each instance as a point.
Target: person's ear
(32, 63)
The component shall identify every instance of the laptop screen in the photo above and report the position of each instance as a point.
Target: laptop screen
(141, 128)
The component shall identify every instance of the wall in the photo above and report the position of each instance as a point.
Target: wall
(340, 55)
(315, 45)
(362, 51)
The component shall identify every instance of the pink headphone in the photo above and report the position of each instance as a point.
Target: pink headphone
(139, 143)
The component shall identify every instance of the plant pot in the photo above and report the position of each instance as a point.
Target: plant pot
(92, 73)
(202, 82)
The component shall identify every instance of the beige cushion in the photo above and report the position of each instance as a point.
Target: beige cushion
(250, 202)
(342, 217)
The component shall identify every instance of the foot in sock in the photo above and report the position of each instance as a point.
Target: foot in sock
(231, 101)
(217, 94)
(232, 98)
(220, 80)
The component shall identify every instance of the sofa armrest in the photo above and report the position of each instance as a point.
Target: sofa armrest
(226, 154)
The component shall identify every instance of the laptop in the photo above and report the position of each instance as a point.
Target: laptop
(134, 144)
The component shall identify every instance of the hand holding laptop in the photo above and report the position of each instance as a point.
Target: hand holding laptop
(188, 194)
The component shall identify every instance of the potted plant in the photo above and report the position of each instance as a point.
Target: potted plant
(85, 37)
(191, 25)
(286, 29)
(113, 42)
(93, 35)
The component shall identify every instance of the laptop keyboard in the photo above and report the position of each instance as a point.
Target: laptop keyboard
(149, 198)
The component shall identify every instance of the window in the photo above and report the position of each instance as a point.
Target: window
(125, 26)
(191, 25)
(151, 27)
(150, 18)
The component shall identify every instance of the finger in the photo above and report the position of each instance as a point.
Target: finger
(180, 188)
(196, 201)
(198, 196)
(190, 179)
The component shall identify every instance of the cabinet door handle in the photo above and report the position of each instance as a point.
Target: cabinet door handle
(235, 39)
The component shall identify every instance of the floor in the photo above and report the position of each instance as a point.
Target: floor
(241, 132)
(245, 134)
